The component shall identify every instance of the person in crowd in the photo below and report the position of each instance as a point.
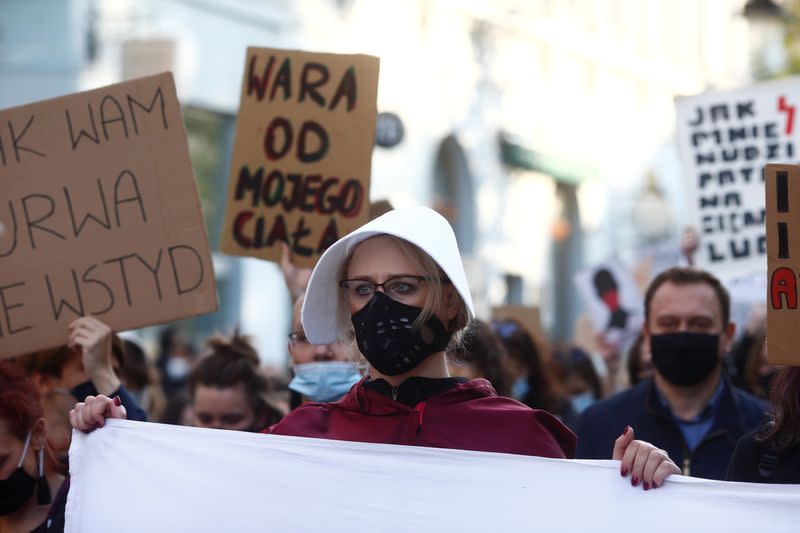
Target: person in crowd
(748, 363)
(578, 374)
(140, 377)
(397, 286)
(175, 360)
(84, 366)
(771, 453)
(608, 359)
(482, 356)
(689, 408)
(178, 410)
(228, 388)
(533, 382)
(322, 372)
(30, 476)
(639, 365)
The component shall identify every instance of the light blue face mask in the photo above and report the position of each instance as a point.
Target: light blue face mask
(581, 401)
(325, 381)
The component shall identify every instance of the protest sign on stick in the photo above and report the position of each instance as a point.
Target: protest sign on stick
(301, 161)
(99, 215)
(613, 301)
(725, 139)
(783, 229)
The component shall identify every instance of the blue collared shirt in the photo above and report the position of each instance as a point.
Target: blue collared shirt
(695, 429)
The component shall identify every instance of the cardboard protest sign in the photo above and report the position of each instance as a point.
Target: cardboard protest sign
(99, 215)
(725, 139)
(301, 161)
(783, 228)
(612, 297)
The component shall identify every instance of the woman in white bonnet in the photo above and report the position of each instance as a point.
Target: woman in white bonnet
(396, 288)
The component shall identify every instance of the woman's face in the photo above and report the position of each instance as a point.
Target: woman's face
(378, 259)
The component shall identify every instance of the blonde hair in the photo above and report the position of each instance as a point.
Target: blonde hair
(428, 268)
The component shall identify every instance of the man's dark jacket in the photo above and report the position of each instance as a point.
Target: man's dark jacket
(639, 407)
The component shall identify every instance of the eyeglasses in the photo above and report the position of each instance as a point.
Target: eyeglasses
(401, 288)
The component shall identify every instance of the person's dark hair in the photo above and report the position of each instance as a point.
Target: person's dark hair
(234, 361)
(46, 362)
(574, 361)
(689, 276)
(784, 430)
(176, 405)
(751, 374)
(521, 347)
(135, 370)
(483, 349)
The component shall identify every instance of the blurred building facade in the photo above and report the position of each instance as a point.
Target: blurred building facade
(535, 126)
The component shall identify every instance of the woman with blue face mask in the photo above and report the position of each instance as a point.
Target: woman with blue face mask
(29, 476)
(397, 288)
(322, 372)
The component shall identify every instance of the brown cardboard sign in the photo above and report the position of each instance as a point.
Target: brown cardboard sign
(782, 186)
(301, 161)
(99, 215)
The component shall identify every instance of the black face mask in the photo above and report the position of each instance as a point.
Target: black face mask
(386, 336)
(17, 488)
(685, 359)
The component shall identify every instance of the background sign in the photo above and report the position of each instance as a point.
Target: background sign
(302, 156)
(725, 139)
(783, 242)
(99, 215)
(613, 300)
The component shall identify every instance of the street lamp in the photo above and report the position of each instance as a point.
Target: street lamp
(766, 20)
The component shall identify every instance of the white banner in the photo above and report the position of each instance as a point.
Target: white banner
(134, 477)
(725, 139)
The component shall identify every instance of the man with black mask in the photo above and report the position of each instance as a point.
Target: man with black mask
(689, 408)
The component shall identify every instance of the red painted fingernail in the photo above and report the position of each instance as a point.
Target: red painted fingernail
(117, 401)
(98, 425)
(634, 481)
(655, 485)
(624, 472)
(646, 485)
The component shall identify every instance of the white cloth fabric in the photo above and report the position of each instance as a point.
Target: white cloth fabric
(133, 476)
(323, 320)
